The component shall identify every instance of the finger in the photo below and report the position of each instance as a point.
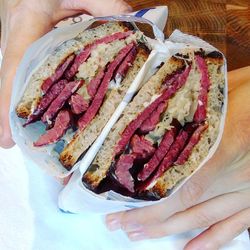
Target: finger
(17, 42)
(190, 194)
(221, 233)
(238, 77)
(97, 7)
(200, 216)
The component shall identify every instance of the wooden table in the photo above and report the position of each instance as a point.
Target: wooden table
(224, 24)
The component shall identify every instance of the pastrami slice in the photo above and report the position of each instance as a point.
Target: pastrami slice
(98, 99)
(201, 112)
(62, 123)
(151, 122)
(57, 75)
(124, 164)
(141, 147)
(183, 157)
(135, 124)
(128, 61)
(95, 83)
(78, 104)
(59, 102)
(84, 55)
(160, 153)
(46, 101)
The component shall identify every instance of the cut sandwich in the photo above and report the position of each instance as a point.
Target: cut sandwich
(165, 132)
(81, 84)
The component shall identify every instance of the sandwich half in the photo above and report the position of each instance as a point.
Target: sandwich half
(166, 131)
(77, 89)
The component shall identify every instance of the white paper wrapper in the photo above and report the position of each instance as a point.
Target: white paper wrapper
(35, 56)
(76, 198)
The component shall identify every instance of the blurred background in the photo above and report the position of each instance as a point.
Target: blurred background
(223, 23)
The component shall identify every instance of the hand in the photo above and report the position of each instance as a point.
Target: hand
(216, 197)
(24, 21)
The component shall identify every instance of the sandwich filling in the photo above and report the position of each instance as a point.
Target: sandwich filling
(80, 84)
(161, 136)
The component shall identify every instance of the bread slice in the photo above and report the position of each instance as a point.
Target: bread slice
(33, 91)
(83, 139)
(175, 174)
(102, 162)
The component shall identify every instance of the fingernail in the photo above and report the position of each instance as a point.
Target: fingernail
(135, 236)
(113, 224)
(131, 227)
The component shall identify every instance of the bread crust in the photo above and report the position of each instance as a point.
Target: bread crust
(33, 92)
(164, 184)
(82, 140)
(103, 159)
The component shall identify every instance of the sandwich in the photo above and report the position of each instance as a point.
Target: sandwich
(166, 131)
(76, 90)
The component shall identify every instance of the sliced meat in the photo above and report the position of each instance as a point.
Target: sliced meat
(141, 147)
(98, 99)
(95, 83)
(46, 100)
(84, 55)
(135, 124)
(201, 111)
(62, 123)
(195, 138)
(78, 104)
(123, 68)
(151, 122)
(122, 171)
(175, 150)
(58, 74)
(160, 153)
(59, 102)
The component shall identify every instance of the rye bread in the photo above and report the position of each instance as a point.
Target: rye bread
(175, 174)
(83, 139)
(103, 159)
(33, 92)
(160, 188)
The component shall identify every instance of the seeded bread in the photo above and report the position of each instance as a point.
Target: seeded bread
(104, 157)
(82, 140)
(33, 91)
(174, 175)
(160, 188)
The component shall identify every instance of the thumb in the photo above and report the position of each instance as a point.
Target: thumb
(17, 41)
(98, 7)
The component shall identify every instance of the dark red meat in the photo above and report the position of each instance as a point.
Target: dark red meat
(175, 149)
(192, 142)
(135, 124)
(84, 55)
(151, 122)
(122, 171)
(123, 68)
(200, 113)
(59, 102)
(78, 104)
(160, 153)
(58, 74)
(62, 123)
(46, 101)
(141, 147)
(95, 83)
(98, 99)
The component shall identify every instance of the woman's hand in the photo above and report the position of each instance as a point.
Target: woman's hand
(217, 196)
(24, 21)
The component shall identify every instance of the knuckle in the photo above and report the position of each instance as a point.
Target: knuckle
(190, 193)
(203, 219)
